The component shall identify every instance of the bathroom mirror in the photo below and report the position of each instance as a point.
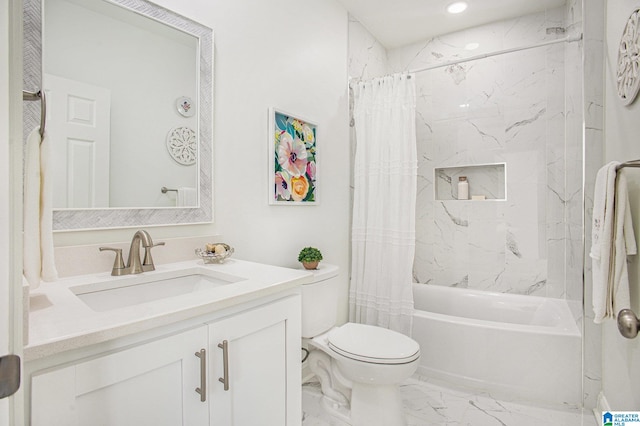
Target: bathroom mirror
(142, 76)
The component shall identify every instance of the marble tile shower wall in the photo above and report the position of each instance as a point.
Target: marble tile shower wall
(504, 109)
(593, 27)
(575, 76)
(367, 57)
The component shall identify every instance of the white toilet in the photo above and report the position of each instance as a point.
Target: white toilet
(359, 366)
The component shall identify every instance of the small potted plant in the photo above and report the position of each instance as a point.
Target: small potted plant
(310, 257)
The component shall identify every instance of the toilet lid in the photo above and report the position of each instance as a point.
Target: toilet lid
(373, 344)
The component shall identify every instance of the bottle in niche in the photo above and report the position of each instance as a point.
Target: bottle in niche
(463, 188)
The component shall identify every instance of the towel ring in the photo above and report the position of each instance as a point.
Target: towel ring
(38, 96)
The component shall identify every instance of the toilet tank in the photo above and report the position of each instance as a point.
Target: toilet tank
(320, 301)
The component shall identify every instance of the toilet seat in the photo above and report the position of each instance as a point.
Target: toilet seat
(373, 344)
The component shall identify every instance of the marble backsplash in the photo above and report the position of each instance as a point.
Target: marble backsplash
(520, 109)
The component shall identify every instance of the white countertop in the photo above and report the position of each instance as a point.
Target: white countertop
(60, 321)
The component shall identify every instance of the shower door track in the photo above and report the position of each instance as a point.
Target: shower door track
(499, 52)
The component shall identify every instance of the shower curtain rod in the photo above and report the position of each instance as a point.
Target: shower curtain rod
(499, 52)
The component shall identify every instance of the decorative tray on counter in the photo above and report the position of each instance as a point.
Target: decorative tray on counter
(216, 255)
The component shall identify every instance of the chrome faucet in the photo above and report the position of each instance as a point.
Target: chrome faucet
(134, 266)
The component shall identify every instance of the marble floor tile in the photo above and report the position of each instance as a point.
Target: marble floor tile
(430, 404)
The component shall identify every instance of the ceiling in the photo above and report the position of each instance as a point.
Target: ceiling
(397, 23)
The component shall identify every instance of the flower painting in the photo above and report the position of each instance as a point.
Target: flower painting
(293, 162)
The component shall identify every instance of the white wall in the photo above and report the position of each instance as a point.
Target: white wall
(10, 199)
(620, 356)
(291, 55)
(4, 179)
(4, 195)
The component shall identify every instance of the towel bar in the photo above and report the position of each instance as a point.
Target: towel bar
(632, 163)
(38, 96)
(628, 323)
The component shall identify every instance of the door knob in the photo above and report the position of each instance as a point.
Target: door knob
(9, 375)
(628, 323)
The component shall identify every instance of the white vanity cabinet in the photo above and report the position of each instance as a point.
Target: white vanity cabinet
(254, 366)
(154, 382)
(149, 384)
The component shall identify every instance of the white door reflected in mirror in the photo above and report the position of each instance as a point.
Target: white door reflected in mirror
(78, 123)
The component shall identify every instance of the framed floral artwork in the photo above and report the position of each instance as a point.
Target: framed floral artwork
(293, 164)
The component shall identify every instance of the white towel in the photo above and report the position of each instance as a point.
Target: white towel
(602, 237)
(38, 259)
(187, 197)
(32, 263)
(49, 271)
(613, 240)
(624, 245)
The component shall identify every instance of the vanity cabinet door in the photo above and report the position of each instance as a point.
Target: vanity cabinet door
(263, 366)
(150, 384)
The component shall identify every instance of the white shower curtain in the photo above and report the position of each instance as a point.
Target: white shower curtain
(383, 228)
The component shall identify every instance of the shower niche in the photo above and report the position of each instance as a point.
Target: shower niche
(485, 180)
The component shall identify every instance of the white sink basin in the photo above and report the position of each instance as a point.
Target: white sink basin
(139, 289)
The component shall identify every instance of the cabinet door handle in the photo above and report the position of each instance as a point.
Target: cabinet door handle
(225, 361)
(202, 390)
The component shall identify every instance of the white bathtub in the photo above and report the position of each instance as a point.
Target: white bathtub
(517, 347)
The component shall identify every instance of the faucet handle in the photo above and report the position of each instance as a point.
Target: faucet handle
(118, 263)
(147, 263)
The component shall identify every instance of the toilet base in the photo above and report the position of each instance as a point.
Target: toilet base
(376, 405)
(357, 404)
(369, 392)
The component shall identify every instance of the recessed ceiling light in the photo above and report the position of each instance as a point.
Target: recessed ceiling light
(472, 46)
(457, 7)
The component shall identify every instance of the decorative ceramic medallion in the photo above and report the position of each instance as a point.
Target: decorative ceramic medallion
(628, 80)
(185, 107)
(182, 145)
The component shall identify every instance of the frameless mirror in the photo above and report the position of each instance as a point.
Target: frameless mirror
(129, 101)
